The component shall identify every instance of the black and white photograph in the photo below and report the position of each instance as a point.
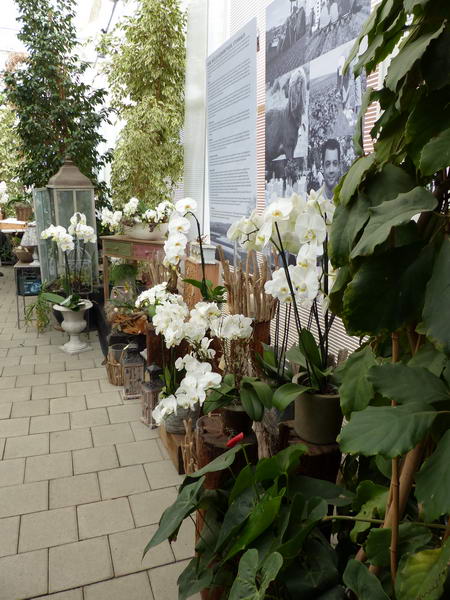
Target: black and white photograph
(287, 133)
(334, 104)
(297, 31)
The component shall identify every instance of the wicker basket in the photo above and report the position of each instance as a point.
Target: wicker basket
(115, 373)
(24, 212)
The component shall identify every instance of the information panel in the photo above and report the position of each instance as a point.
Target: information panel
(231, 105)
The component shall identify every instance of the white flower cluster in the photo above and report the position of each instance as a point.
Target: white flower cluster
(157, 295)
(80, 230)
(130, 208)
(59, 235)
(111, 219)
(3, 193)
(232, 327)
(179, 227)
(160, 214)
(302, 225)
(193, 388)
(130, 212)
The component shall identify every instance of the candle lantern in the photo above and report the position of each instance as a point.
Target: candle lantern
(133, 372)
(150, 394)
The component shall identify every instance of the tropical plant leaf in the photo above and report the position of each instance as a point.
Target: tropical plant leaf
(355, 390)
(220, 463)
(423, 575)
(195, 577)
(387, 184)
(411, 538)
(406, 384)
(433, 481)
(236, 515)
(245, 586)
(347, 222)
(387, 430)
(51, 297)
(437, 295)
(430, 358)
(173, 516)
(354, 176)
(436, 154)
(251, 403)
(390, 214)
(279, 464)
(408, 55)
(286, 394)
(371, 500)
(262, 390)
(310, 487)
(362, 583)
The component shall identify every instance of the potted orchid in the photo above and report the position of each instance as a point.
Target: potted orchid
(298, 227)
(136, 219)
(77, 277)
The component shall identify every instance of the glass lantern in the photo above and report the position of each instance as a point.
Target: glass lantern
(133, 372)
(80, 269)
(67, 192)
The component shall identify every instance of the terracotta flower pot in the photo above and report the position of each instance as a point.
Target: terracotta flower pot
(318, 418)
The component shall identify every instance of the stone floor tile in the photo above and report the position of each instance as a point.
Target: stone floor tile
(5, 410)
(18, 370)
(16, 395)
(69, 404)
(136, 453)
(8, 361)
(100, 518)
(162, 474)
(164, 581)
(11, 472)
(122, 414)
(50, 348)
(23, 499)
(127, 548)
(2, 447)
(26, 380)
(7, 382)
(14, 427)
(48, 466)
(82, 387)
(49, 423)
(21, 351)
(96, 373)
(105, 386)
(80, 563)
(71, 491)
(48, 528)
(131, 587)
(30, 409)
(82, 363)
(101, 399)
(163, 449)
(112, 434)
(89, 418)
(147, 508)
(23, 575)
(141, 431)
(27, 445)
(74, 439)
(94, 459)
(38, 359)
(55, 390)
(65, 376)
(183, 547)
(49, 367)
(9, 535)
(69, 595)
(122, 482)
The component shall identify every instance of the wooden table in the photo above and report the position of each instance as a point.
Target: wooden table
(130, 249)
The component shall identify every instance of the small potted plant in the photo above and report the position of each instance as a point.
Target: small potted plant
(138, 220)
(72, 306)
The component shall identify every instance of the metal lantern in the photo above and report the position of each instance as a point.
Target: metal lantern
(150, 394)
(133, 372)
(67, 192)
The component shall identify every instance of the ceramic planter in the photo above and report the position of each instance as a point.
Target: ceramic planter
(318, 418)
(142, 231)
(74, 323)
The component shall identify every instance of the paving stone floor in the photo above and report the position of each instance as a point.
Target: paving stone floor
(83, 482)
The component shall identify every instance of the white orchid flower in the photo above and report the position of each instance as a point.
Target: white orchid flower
(186, 205)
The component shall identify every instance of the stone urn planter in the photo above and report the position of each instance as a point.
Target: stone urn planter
(74, 323)
(142, 231)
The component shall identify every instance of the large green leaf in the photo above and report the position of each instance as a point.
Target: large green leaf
(251, 403)
(371, 499)
(355, 390)
(184, 505)
(244, 480)
(436, 62)
(433, 481)
(195, 577)
(408, 55)
(410, 539)
(286, 394)
(387, 184)
(245, 586)
(354, 176)
(437, 299)
(422, 575)
(430, 358)
(362, 583)
(389, 214)
(387, 291)
(436, 154)
(236, 515)
(387, 430)
(348, 221)
(311, 487)
(262, 390)
(408, 384)
(279, 464)
(260, 519)
(220, 463)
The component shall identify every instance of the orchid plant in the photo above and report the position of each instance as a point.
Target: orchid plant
(135, 211)
(298, 226)
(73, 239)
